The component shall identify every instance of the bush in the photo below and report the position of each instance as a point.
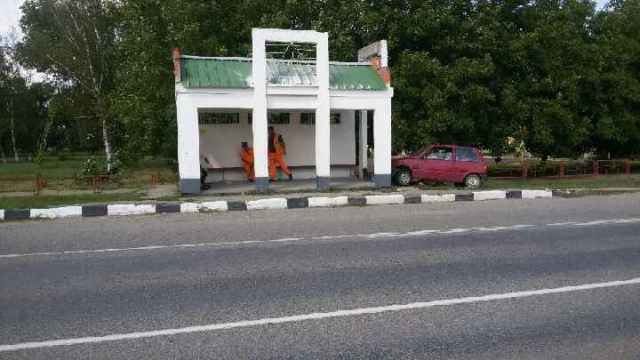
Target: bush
(92, 167)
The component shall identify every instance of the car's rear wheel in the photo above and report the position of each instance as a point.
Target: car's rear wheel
(403, 177)
(472, 181)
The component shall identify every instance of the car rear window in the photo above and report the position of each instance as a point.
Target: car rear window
(466, 154)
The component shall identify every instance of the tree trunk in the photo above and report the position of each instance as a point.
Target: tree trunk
(107, 143)
(3, 156)
(101, 113)
(12, 129)
(45, 136)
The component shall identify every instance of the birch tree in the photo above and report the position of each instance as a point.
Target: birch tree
(10, 77)
(74, 41)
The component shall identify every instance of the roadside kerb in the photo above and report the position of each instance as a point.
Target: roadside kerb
(426, 198)
(536, 194)
(52, 213)
(279, 203)
(130, 209)
(267, 204)
(390, 199)
(324, 201)
(489, 195)
(210, 206)
(167, 208)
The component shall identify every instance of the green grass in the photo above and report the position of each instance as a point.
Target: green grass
(599, 182)
(609, 181)
(61, 175)
(52, 169)
(26, 202)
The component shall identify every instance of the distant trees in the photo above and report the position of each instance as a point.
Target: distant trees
(23, 107)
(558, 75)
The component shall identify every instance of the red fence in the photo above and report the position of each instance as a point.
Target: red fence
(96, 182)
(564, 169)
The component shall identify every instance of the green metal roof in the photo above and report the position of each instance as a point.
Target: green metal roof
(235, 73)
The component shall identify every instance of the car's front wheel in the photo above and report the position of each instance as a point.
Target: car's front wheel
(403, 177)
(472, 181)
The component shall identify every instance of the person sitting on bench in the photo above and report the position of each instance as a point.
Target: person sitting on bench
(246, 154)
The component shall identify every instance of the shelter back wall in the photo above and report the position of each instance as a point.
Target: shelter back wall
(221, 143)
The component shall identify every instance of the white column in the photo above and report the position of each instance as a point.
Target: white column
(188, 144)
(382, 143)
(260, 124)
(323, 124)
(362, 151)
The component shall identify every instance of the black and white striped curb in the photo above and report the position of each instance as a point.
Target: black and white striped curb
(263, 204)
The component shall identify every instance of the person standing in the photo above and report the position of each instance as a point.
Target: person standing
(277, 151)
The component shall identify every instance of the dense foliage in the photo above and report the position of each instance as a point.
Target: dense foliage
(558, 75)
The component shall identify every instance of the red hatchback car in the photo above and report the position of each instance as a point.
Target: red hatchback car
(441, 163)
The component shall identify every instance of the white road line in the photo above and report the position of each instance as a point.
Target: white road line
(329, 237)
(315, 316)
(291, 239)
(609, 221)
(378, 235)
(141, 248)
(562, 223)
(422, 232)
(591, 223)
(455, 231)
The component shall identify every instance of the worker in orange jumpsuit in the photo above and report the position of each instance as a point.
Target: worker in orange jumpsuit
(277, 151)
(246, 154)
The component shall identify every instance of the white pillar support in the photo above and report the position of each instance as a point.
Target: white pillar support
(382, 143)
(323, 121)
(362, 151)
(260, 123)
(188, 145)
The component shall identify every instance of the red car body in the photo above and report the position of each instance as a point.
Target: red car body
(441, 163)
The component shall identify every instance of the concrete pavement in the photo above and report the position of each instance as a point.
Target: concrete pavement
(253, 266)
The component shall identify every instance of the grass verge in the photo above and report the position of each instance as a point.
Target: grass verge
(597, 182)
(44, 201)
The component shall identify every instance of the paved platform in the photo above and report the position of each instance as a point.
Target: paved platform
(285, 186)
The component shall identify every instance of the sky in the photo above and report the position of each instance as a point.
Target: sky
(10, 14)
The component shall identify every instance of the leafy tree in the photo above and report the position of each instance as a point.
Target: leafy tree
(74, 41)
(556, 74)
(615, 97)
(445, 76)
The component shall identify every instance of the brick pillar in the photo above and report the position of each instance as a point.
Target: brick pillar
(563, 167)
(595, 168)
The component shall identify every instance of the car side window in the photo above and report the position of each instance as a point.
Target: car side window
(440, 153)
(466, 154)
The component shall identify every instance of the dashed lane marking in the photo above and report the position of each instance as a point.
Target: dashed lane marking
(372, 236)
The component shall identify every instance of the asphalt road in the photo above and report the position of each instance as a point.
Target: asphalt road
(322, 283)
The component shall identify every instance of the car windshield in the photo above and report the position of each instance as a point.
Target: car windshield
(421, 150)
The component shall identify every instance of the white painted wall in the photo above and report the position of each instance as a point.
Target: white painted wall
(221, 143)
(382, 138)
(187, 118)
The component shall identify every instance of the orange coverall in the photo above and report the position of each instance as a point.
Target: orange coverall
(246, 154)
(276, 159)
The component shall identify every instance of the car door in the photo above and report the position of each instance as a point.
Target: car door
(467, 161)
(437, 162)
